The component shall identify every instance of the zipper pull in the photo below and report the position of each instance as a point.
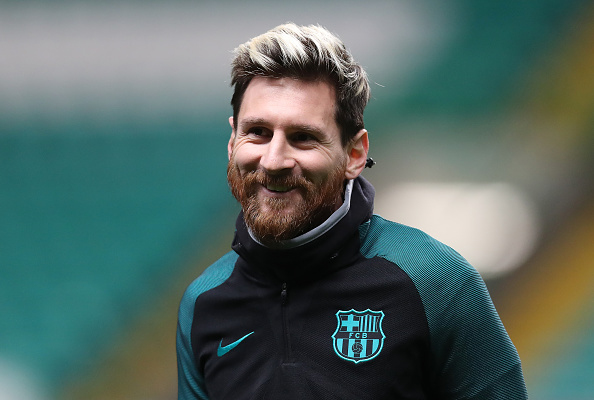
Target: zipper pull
(284, 293)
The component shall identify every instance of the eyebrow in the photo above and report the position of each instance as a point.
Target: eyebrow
(307, 128)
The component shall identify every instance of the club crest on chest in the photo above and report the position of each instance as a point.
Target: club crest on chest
(359, 336)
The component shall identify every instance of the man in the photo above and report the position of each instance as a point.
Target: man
(321, 299)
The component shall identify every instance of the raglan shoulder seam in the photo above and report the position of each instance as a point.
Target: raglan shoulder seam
(434, 268)
(409, 247)
(467, 336)
(213, 276)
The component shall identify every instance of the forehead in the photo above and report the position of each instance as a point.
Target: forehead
(287, 98)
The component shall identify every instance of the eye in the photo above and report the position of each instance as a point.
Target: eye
(303, 137)
(257, 131)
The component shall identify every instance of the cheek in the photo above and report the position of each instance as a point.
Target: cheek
(244, 158)
(326, 168)
(318, 177)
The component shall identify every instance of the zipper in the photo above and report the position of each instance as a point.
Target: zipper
(287, 340)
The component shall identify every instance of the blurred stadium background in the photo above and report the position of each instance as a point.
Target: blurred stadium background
(113, 127)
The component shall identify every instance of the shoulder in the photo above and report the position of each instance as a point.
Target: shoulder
(190, 379)
(466, 332)
(438, 272)
(413, 250)
(213, 276)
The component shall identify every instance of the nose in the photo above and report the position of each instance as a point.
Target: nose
(278, 156)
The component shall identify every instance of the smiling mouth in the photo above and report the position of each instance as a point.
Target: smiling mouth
(278, 188)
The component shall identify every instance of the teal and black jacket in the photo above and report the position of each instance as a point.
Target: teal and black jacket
(369, 309)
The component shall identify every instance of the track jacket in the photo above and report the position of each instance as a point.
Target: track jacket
(360, 308)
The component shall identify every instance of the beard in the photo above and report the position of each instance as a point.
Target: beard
(268, 218)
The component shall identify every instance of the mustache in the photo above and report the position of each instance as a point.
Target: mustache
(262, 178)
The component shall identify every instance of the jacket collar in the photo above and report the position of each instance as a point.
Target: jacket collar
(329, 247)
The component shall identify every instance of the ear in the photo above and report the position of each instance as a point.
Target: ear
(357, 151)
(231, 139)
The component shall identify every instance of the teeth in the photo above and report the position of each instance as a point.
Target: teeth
(277, 188)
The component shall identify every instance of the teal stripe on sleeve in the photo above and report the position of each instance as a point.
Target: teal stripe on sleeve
(472, 353)
(190, 380)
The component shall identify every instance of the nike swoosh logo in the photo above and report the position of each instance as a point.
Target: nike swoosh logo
(222, 350)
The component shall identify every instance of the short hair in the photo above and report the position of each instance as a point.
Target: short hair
(308, 53)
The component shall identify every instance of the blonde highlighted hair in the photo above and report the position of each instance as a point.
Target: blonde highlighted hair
(308, 53)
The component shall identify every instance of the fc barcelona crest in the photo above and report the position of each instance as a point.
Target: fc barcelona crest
(359, 335)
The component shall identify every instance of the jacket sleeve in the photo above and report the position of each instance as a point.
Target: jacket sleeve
(473, 354)
(190, 381)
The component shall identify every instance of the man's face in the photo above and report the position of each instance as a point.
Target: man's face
(287, 166)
